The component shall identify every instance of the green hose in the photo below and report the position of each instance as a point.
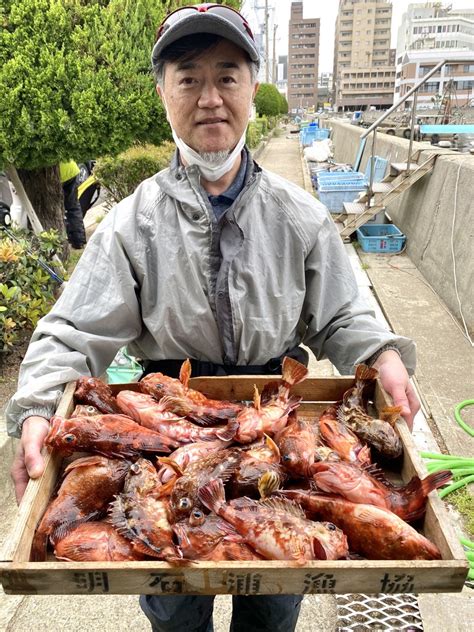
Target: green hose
(462, 469)
(459, 419)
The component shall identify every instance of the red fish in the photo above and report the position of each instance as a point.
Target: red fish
(357, 485)
(297, 443)
(341, 439)
(375, 533)
(141, 517)
(183, 400)
(184, 496)
(283, 534)
(178, 461)
(143, 409)
(110, 435)
(213, 539)
(271, 416)
(255, 463)
(378, 433)
(88, 487)
(93, 392)
(95, 542)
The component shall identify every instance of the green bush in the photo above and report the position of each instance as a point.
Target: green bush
(26, 290)
(121, 174)
(254, 135)
(267, 100)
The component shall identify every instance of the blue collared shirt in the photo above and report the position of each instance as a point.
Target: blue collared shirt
(220, 203)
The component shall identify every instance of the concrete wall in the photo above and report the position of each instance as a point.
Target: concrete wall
(425, 213)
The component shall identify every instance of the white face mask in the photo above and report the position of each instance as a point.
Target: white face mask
(209, 171)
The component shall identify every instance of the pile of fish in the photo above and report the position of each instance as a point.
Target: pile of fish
(176, 476)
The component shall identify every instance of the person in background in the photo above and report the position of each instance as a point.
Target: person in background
(213, 259)
(76, 234)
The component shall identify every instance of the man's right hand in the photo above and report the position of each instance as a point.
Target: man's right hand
(28, 462)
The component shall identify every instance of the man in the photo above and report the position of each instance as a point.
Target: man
(76, 234)
(213, 259)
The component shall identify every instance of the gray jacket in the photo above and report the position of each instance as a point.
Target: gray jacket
(162, 276)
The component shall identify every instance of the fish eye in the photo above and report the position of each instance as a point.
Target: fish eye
(197, 513)
(135, 468)
(331, 526)
(69, 438)
(184, 503)
(286, 457)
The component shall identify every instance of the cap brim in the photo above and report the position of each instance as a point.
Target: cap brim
(205, 23)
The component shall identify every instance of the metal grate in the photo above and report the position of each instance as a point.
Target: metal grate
(378, 612)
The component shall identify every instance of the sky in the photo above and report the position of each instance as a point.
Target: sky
(327, 12)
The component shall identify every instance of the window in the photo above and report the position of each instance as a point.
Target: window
(468, 68)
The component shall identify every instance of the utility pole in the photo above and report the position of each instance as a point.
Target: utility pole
(274, 67)
(267, 69)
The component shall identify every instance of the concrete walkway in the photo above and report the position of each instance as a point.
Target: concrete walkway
(445, 376)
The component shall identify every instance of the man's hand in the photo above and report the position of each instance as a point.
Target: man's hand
(395, 380)
(28, 462)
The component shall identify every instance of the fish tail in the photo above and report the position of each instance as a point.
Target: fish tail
(268, 483)
(257, 401)
(228, 432)
(185, 373)
(212, 495)
(366, 373)
(428, 484)
(293, 372)
(390, 414)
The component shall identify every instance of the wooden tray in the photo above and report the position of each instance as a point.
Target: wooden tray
(20, 576)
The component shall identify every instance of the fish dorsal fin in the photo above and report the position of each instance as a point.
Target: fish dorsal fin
(293, 372)
(185, 373)
(341, 417)
(283, 505)
(256, 398)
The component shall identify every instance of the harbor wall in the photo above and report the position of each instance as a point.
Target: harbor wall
(425, 213)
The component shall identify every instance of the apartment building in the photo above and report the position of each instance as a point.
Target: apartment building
(303, 60)
(364, 74)
(455, 80)
(429, 33)
(431, 25)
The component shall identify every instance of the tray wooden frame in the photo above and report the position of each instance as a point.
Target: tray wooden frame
(20, 576)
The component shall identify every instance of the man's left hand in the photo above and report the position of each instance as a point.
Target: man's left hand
(396, 382)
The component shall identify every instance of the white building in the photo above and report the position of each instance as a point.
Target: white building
(429, 33)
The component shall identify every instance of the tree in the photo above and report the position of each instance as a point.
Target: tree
(283, 104)
(75, 83)
(267, 100)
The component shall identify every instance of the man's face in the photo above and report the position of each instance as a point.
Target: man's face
(208, 99)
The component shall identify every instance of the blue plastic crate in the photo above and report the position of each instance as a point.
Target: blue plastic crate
(380, 167)
(380, 238)
(322, 134)
(334, 194)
